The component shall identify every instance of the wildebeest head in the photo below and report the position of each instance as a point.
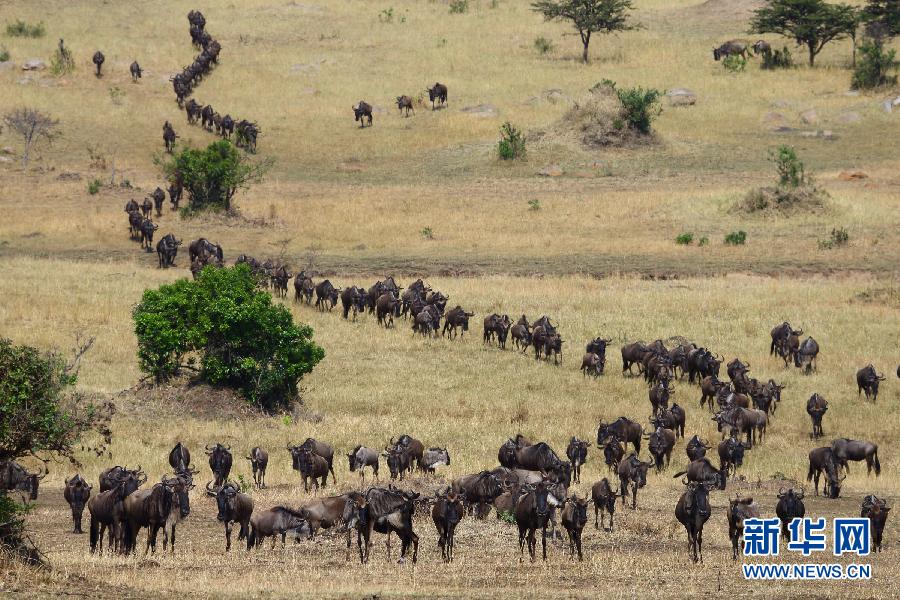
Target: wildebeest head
(790, 504)
(226, 501)
(577, 451)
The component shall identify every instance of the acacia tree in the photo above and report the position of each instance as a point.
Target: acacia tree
(811, 23)
(34, 126)
(588, 16)
(882, 18)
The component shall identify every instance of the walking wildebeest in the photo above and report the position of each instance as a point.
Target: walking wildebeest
(169, 137)
(77, 492)
(731, 454)
(439, 93)
(731, 48)
(167, 250)
(112, 476)
(806, 354)
(541, 457)
(457, 317)
(867, 381)
(384, 511)
(613, 451)
(136, 71)
(219, 463)
(591, 364)
(738, 510)
(532, 512)
(574, 518)
(446, 514)
(816, 407)
(361, 112)
(498, 325)
(146, 207)
(709, 389)
(107, 511)
(632, 472)
(604, 499)
(179, 458)
(303, 288)
(521, 333)
(660, 443)
(625, 429)
(362, 457)
(780, 333)
(876, 510)
(311, 465)
(411, 445)
(846, 450)
(823, 460)
(280, 278)
(259, 460)
(696, 448)
(353, 298)
(98, 59)
(480, 490)
(387, 306)
(703, 471)
(278, 520)
(326, 295)
(693, 511)
(659, 396)
(158, 196)
(405, 102)
(576, 452)
(234, 507)
(790, 506)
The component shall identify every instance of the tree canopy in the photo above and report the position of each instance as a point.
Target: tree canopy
(811, 23)
(588, 16)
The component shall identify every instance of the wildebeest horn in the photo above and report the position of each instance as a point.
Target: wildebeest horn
(684, 480)
(208, 448)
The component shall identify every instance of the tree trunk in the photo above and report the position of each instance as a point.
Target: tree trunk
(586, 40)
(812, 54)
(853, 39)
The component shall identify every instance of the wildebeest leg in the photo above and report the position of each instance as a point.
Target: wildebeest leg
(544, 540)
(227, 536)
(522, 532)
(634, 489)
(700, 544)
(388, 544)
(571, 543)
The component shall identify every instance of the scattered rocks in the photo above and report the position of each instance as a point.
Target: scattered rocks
(852, 175)
(481, 110)
(849, 117)
(551, 171)
(889, 104)
(34, 64)
(809, 117)
(681, 97)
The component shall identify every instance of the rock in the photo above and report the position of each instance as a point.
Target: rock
(888, 105)
(69, 176)
(554, 96)
(852, 175)
(7, 65)
(551, 171)
(34, 64)
(681, 97)
(849, 117)
(481, 110)
(809, 117)
(896, 101)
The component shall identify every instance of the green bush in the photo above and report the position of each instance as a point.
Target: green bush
(458, 7)
(641, 107)
(62, 62)
(839, 237)
(20, 28)
(685, 239)
(534, 204)
(239, 337)
(427, 233)
(94, 186)
(704, 241)
(512, 143)
(777, 59)
(508, 517)
(874, 66)
(734, 63)
(543, 45)
(789, 167)
(4, 54)
(736, 238)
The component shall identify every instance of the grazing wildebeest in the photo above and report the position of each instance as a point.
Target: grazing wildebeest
(433, 458)
(361, 112)
(761, 47)
(574, 518)
(259, 460)
(446, 514)
(846, 450)
(303, 288)
(480, 490)
(14, 476)
(234, 507)
(731, 48)
(77, 492)
(167, 250)
(384, 511)
(362, 457)
(219, 463)
(806, 354)
(326, 295)
(98, 59)
(439, 93)
(576, 452)
(179, 458)
(823, 460)
(386, 307)
(169, 137)
(541, 457)
(790, 506)
(703, 471)
(353, 298)
(278, 520)
(405, 102)
(660, 443)
(457, 317)
(107, 511)
(867, 381)
(625, 429)
(532, 512)
(604, 499)
(738, 510)
(136, 71)
(696, 448)
(816, 407)
(693, 511)
(325, 513)
(731, 454)
(632, 472)
(876, 510)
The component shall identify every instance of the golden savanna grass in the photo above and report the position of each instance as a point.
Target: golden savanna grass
(352, 205)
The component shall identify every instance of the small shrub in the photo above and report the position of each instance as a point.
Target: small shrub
(839, 237)
(116, 94)
(534, 204)
(777, 59)
(441, 43)
(736, 238)
(62, 62)
(458, 7)
(735, 63)
(543, 45)
(874, 66)
(287, 420)
(427, 233)
(704, 241)
(246, 486)
(388, 14)
(508, 517)
(512, 142)
(495, 3)
(94, 186)
(4, 54)
(685, 239)
(789, 167)
(641, 107)
(20, 28)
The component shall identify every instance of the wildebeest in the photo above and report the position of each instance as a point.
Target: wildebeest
(660, 443)
(633, 354)
(789, 507)
(179, 458)
(507, 453)
(576, 452)
(313, 459)
(398, 461)
(613, 451)
(521, 333)
(77, 492)
(169, 137)
(532, 512)
(823, 460)
(167, 250)
(761, 47)
(709, 388)
(151, 509)
(541, 457)
(696, 448)
(107, 511)
(303, 288)
(112, 476)
(361, 112)
(234, 507)
(736, 419)
(731, 48)
(136, 71)
(147, 228)
(146, 207)
(14, 476)
(326, 295)
(876, 510)
(193, 110)
(846, 450)
(591, 364)
(632, 471)
(410, 445)
(498, 325)
(480, 489)
(405, 102)
(625, 429)
(278, 520)
(324, 513)
(604, 499)
(738, 510)
(816, 407)
(433, 458)
(438, 92)
(362, 457)
(158, 196)
(731, 454)
(659, 395)
(693, 511)
(806, 354)
(446, 513)
(457, 317)
(353, 298)
(219, 463)
(259, 460)
(597, 347)
(703, 471)
(867, 381)
(574, 518)
(384, 511)
(98, 59)
(780, 333)
(387, 306)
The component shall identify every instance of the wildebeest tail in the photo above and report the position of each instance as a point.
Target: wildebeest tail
(877, 464)
(811, 472)
(94, 534)
(679, 474)
(251, 537)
